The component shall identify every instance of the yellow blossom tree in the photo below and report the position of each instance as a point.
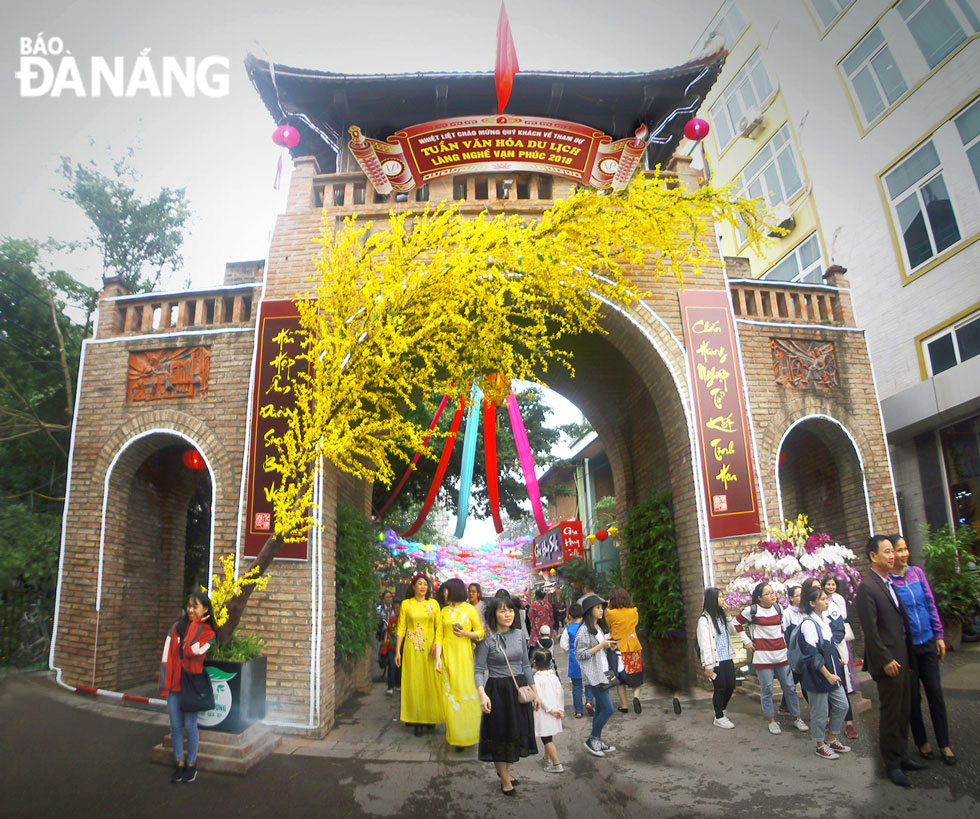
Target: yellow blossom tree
(434, 302)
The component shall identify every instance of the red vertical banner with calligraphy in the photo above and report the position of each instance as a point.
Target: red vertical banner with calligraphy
(724, 438)
(277, 351)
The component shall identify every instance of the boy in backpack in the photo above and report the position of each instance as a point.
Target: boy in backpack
(567, 642)
(769, 656)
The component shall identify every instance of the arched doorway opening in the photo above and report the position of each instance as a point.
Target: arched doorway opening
(156, 546)
(820, 474)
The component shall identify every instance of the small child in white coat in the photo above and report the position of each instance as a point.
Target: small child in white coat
(548, 717)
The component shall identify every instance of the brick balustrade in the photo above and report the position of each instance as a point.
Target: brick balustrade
(175, 312)
(790, 302)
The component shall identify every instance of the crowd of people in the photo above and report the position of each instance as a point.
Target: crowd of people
(486, 667)
(809, 644)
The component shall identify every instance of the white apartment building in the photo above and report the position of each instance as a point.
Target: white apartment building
(859, 124)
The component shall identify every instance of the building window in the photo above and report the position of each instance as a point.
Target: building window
(481, 188)
(523, 188)
(829, 10)
(728, 22)
(968, 124)
(804, 264)
(953, 345)
(938, 26)
(751, 87)
(338, 195)
(922, 207)
(773, 175)
(422, 193)
(459, 187)
(873, 75)
(359, 194)
(544, 187)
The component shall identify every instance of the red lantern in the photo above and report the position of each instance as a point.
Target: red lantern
(194, 460)
(602, 534)
(286, 135)
(696, 129)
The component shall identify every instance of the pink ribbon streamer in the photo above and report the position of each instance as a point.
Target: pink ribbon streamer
(527, 461)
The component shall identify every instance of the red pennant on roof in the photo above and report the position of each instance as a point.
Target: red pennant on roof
(506, 66)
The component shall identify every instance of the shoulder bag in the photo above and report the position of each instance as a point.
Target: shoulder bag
(195, 689)
(525, 693)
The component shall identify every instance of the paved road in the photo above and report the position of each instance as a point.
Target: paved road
(66, 755)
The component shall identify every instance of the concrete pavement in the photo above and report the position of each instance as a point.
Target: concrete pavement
(66, 755)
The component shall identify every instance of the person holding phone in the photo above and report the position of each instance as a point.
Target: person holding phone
(593, 647)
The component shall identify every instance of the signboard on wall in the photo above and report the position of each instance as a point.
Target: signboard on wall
(277, 352)
(497, 143)
(720, 414)
(561, 543)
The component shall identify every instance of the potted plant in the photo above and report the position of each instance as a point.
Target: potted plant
(954, 578)
(235, 665)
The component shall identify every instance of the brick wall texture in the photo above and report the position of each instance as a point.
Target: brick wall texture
(631, 383)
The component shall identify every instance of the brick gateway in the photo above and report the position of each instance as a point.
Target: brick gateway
(165, 372)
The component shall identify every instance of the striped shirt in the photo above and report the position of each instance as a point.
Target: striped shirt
(767, 636)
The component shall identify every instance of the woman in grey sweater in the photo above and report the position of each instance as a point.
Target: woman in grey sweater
(507, 726)
(591, 644)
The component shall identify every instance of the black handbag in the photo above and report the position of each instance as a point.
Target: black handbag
(195, 692)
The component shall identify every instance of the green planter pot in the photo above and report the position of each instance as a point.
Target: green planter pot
(239, 695)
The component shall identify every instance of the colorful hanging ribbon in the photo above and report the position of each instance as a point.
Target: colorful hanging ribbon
(490, 458)
(411, 466)
(469, 457)
(447, 451)
(527, 461)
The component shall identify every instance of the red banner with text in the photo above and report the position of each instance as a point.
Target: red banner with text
(720, 415)
(494, 144)
(277, 353)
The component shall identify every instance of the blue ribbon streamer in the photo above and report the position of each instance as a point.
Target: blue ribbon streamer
(469, 458)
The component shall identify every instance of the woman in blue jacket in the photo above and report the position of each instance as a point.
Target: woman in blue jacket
(822, 673)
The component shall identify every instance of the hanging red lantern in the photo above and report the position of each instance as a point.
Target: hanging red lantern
(696, 129)
(602, 534)
(286, 135)
(194, 460)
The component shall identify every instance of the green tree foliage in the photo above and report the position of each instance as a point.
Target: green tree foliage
(952, 570)
(652, 573)
(357, 586)
(39, 349)
(513, 491)
(136, 237)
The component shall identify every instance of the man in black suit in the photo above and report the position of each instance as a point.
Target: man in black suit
(886, 657)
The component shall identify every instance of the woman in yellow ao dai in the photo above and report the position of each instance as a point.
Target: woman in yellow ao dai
(422, 699)
(460, 624)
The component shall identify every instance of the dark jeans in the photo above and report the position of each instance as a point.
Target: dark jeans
(394, 672)
(603, 711)
(577, 694)
(925, 669)
(724, 683)
(893, 729)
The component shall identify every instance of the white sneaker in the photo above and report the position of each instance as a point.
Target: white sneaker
(606, 748)
(552, 768)
(774, 728)
(723, 722)
(800, 725)
(593, 747)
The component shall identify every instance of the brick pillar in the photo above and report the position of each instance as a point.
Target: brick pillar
(301, 184)
(843, 313)
(687, 176)
(110, 318)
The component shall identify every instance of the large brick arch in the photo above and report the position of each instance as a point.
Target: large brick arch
(133, 583)
(823, 475)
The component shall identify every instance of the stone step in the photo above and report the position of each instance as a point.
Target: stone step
(225, 753)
